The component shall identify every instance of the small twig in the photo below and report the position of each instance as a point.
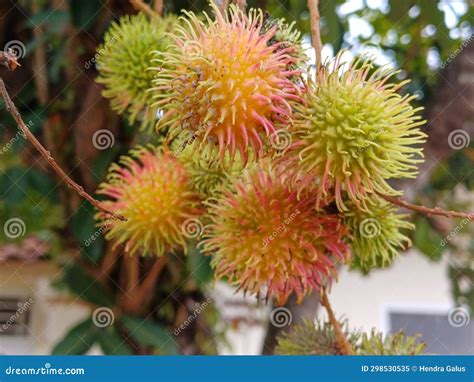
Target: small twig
(12, 109)
(313, 6)
(428, 211)
(344, 346)
(139, 5)
(222, 5)
(242, 4)
(159, 6)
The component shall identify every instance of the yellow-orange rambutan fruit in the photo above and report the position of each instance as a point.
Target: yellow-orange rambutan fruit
(153, 192)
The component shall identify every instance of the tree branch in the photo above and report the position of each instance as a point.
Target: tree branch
(159, 6)
(139, 5)
(313, 6)
(428, 211)
(12, 109)
(344, 346)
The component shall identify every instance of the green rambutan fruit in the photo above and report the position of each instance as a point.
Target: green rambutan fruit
(208, 175)
(394, 344)
(123, 62)
(376, 233)
(320, 338)
(355, 132)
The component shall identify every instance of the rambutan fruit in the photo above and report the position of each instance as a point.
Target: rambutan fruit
(123, 61)
(263, 237)
(154, 194)
(355, 132)
(208, 175)
(224, 85)
(377, 233)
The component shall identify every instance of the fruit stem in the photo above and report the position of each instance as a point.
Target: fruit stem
(344, 346)
(313, 6)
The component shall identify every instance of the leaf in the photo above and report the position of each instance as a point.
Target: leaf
(79, 339)
(199, 266)
(84, 12)
(427, 240)
(333, 27)
(88, 236)
(85, 286)
(112, 343)
(149, 333)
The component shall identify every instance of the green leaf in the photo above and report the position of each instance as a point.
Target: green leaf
(149, 333)
(85, 286)
(88, 236)
(199, 266)
(333, 27)
(84, 12)
(112, 343)
(427, 240)
(79, 339)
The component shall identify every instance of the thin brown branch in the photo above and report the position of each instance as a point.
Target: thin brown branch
(222, 5)
(428, 211)
(12, 109)
(344, 346)
(159, 6)
(313, 6)
(139, 5)
(242, 4)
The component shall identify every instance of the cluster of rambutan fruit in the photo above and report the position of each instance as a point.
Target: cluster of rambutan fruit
(279, 169)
